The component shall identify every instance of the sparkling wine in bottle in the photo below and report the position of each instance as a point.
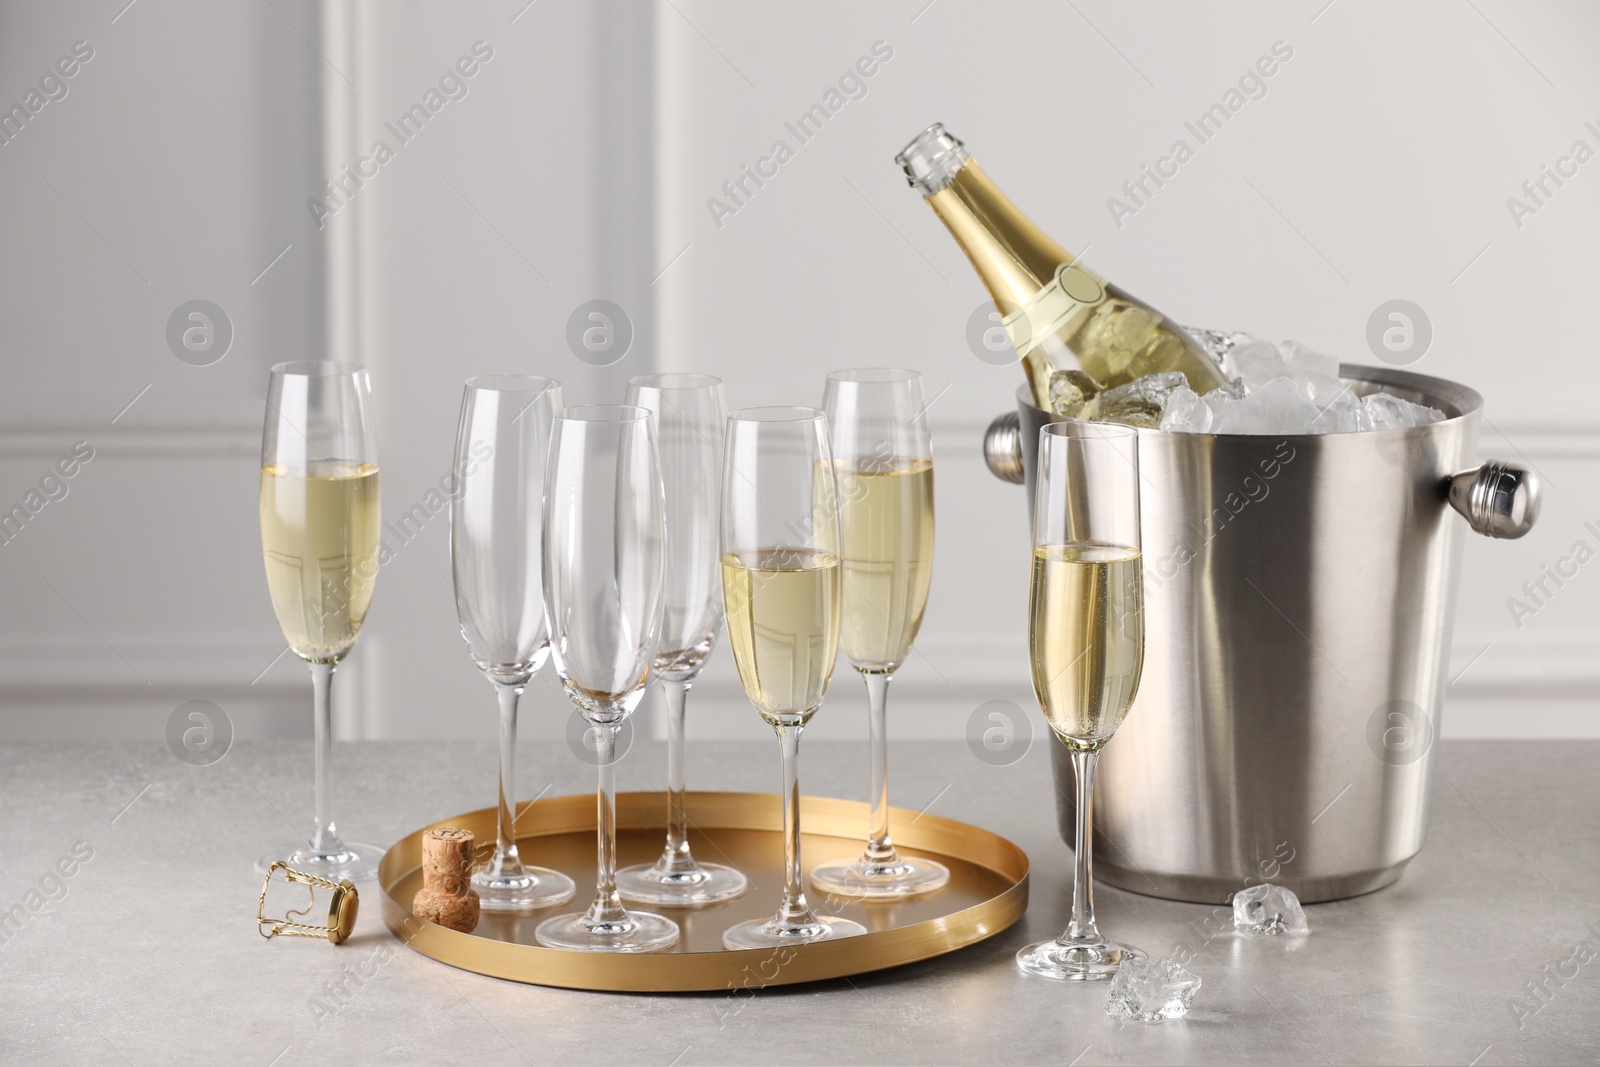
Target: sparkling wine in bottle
(1052, 306)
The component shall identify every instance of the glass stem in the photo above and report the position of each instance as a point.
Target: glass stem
(324, 838)
(1082, 927)
(506, 861)
(794, 911)
(880, 850)
(676, 859)
(607, 909)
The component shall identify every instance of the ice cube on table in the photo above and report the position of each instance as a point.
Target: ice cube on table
(1137, 403)
(1070, 390)
(1185, 412)
(1151, 991)
(1268, 910)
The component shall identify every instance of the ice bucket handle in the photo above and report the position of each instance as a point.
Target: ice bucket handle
(1002, 448)
(1497, 499)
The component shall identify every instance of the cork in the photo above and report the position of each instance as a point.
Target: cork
(447, 896)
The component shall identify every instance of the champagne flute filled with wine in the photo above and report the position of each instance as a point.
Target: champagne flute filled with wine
(605, 557)
(319, 539)
(1085, 643)
(781, 592)
(496, 568)
(689, 414)
(884, 463)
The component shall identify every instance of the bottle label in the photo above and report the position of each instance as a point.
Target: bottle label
(1073, 289)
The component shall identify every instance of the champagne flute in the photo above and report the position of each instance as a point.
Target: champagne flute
(319, 539)
(884, 461)
(496, 533)
(780, 588)
(689, 416)
(605, 550)
(1085, 642)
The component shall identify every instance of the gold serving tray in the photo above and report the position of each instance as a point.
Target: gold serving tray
(988, 891)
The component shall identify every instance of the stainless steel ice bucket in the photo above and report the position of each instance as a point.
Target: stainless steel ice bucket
(1299, 592)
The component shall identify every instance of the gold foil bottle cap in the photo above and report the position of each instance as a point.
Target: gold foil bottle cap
(342, 907)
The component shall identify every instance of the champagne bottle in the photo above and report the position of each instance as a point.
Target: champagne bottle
(1052, 306)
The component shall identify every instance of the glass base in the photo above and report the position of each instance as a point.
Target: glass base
(1072, 960)
(358, 863)
(707, 883)
(769, 933)
(891, 881)
(641, 931)
(534, 888)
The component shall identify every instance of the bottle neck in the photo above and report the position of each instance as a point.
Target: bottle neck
(1014, 257)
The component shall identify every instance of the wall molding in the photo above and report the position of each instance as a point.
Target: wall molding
(1531, 439)
(1554, 667)
(134, 442)
(96, 672)
(160, 424)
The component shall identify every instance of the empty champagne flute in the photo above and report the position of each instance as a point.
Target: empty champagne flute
(605, 550)
(496, 567)
(780, 589)
(319, 539)
(1085, 643)
(689, 414)
(884, 461)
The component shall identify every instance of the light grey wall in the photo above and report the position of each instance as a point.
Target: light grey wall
(516, 204)
(172, 170)
(1378, 165)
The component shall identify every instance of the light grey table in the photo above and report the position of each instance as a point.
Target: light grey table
(151, 954)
